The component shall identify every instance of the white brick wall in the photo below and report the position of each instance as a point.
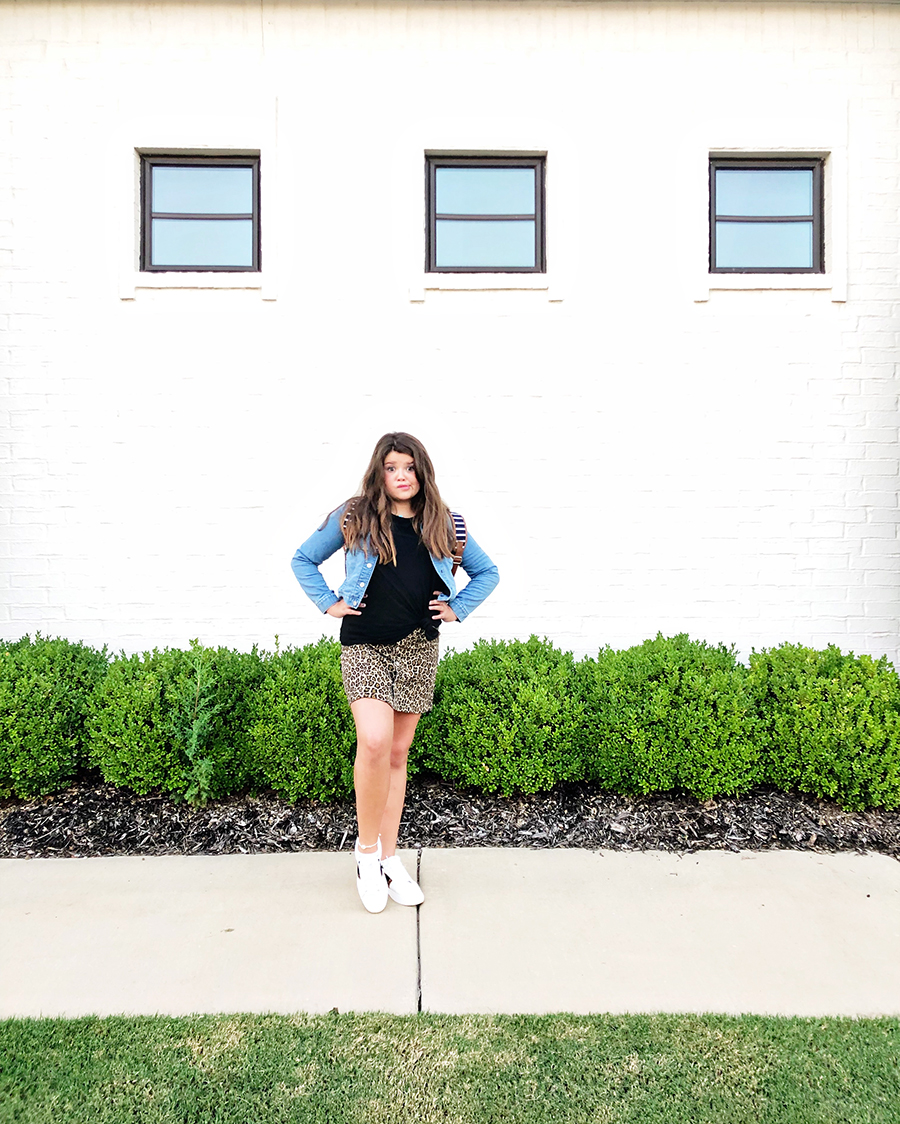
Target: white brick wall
(639, 453)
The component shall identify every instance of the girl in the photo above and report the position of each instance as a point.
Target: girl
(399, 541)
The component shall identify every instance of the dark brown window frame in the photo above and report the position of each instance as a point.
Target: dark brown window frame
(433, 162)
(185, 160)
(750, 163)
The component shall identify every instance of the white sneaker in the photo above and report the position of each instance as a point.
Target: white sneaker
(370, 882)
(402, 887)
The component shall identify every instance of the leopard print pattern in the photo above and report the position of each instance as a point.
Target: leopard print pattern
(401, 674)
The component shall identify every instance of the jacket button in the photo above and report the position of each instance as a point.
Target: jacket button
(362, 585)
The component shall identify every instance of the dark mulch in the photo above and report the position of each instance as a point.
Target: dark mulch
(99, 819)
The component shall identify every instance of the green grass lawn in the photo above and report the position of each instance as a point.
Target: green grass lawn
(386, 1069)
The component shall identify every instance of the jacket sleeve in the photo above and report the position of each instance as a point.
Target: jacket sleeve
(320, 545)
(483, 579)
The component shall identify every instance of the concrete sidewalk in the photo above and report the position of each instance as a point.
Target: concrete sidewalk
(502, 930)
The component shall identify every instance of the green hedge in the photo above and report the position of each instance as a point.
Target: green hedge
(302, 736)
(671, 714)
(45, 689)
(176, 720)
(830, 724)
(506, 716)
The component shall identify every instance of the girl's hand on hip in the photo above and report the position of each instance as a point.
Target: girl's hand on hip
(441, 611)
(342, 609)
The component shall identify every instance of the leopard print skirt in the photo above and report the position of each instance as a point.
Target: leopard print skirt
(401, 674)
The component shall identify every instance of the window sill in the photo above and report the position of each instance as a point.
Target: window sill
(484, 283)
(743, 282)
(131, 284)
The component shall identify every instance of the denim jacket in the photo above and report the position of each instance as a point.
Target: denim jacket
(321, 544)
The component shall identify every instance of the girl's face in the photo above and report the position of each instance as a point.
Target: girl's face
(400, 480)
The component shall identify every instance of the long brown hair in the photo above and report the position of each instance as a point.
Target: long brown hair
(368, 525)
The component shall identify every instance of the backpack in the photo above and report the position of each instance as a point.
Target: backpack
(462, 536)
(459, 529)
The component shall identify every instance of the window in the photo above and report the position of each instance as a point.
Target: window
(765, 216)
(200, 213)
(485, 214)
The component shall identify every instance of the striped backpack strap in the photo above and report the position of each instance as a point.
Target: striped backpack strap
(346, 520)
(459, 529)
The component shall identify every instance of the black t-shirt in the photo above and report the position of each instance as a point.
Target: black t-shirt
(397, 597)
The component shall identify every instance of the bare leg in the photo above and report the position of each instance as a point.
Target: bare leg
(404, 728)
(372, 770)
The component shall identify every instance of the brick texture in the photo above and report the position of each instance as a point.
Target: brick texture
(634, 458)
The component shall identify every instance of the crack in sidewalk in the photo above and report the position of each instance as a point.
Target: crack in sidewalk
(418, 938)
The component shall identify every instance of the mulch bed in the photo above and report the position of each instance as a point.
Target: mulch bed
(99, 819)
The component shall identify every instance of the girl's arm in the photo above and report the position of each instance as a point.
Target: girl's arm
(320, 545)
(483, 579)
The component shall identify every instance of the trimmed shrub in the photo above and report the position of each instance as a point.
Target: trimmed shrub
(671, 713)
(302, 735)
(505, 718)
(176, 720)
(668, 714)
(831, 723)
(45, 687)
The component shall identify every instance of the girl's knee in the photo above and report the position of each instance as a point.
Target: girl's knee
(399, 756)
(373, 750)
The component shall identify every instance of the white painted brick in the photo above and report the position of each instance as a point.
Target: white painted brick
(26, 582)
(887, 516)
(885, 579)
(30, 598)
(874, 548)
(169, 453)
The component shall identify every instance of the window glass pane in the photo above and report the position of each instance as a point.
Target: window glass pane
(775, 245)
(202, 242)
(486, 244)
(203, 191)
(485, 191)
(769, 191)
